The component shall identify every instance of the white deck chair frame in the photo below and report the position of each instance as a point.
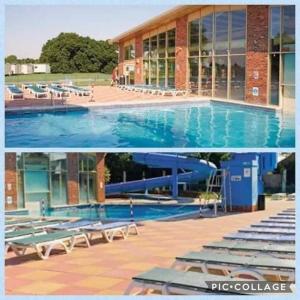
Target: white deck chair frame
(44, 249)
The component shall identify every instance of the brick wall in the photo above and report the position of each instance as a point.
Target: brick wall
(138, 75)
(100, 183)
(72, 181)
(181, 53)
(257, 53)
(11, 181)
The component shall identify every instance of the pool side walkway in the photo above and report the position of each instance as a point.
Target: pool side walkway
(106, 269)
(110, 96)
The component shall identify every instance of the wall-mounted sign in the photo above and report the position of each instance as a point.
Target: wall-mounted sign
(9, 186)
(236, 178)
(9, 200)
(255, 75)
(247, 172)
(255, 91)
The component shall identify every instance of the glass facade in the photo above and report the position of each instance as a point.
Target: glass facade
(129, 52)
(282, 53)
(217, 43)
(87, 177)
(159, 59)
(43, 176)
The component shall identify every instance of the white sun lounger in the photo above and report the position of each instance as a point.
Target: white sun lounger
(44, 244)
(110, 230)
(14, 92)
(75, 225)
(283, 218)
(279, 221)
(175, 282)
(36, 91)
(236, 265)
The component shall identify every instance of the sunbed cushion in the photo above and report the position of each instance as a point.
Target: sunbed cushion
(261, 236)
(269, 230)
(77, 224)
(252, 246)
(185, 280)
(274, 225)
(231, 259)
(17, 233)
(46, 238)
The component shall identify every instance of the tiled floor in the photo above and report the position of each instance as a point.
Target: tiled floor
(106, 269)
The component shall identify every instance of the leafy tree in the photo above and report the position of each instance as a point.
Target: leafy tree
(11, 59)
(70, 52)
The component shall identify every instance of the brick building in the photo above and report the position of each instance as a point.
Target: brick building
(57, 178)
(244, 53)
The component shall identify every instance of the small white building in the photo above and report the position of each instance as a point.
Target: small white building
(15, 69)
(7, 69)
(26, 68)
(41, 68)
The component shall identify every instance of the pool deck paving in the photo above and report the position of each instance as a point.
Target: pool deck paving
(108, 96)
(107, 268)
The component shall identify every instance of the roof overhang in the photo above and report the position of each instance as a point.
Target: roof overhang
(160, 20)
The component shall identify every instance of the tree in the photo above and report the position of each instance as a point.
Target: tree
(11, 59)
(70, 52)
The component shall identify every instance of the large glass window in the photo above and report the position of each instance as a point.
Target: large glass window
(87, 177)
(282, 53)
(221, 66)
(206, 44)
(237, 83)
(157, 69)
(221, 35)
(238, 32)
(194, 74)
(129, 52)
(162, 45)
(194, 38)
(171, 42)
(58, 169)
(206, 76)
(171, 73)
(162, 72)
(222, 41)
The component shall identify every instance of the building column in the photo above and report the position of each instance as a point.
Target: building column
(121, 60)
(73, 178)
(138, 72)
(100, 182)
(11, 194)
(181, 54)
(257, 54)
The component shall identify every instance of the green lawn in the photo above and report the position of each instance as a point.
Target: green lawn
(77, 78)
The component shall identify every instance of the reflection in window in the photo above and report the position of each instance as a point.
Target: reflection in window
(171, 73)
(87, 177)
(282, 53)
(206, 76)
(237, 88)
(153, 71)
(221, 36)
(221, 76)
(238, 31)
(153, 47)
(171, 43)
(162, 45)
(206, 35)
(161, 72)
(194, 74)
(194, 38)
(288, 29)
(274, 79)
(129, 52)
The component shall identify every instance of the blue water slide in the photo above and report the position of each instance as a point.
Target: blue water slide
(190, 170)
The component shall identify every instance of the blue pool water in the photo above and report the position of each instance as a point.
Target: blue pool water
(122, 211)
(209, 124)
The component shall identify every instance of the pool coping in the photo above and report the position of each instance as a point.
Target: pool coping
(135, 103)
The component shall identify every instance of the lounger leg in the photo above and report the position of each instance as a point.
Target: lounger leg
(253, 273)
(106, 236)
(19, 251)
(130, 288)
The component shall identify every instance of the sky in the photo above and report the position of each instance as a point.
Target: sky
(28, 27)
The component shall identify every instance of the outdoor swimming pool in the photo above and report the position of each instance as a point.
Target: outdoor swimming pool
(209, 124)
(122, 211)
